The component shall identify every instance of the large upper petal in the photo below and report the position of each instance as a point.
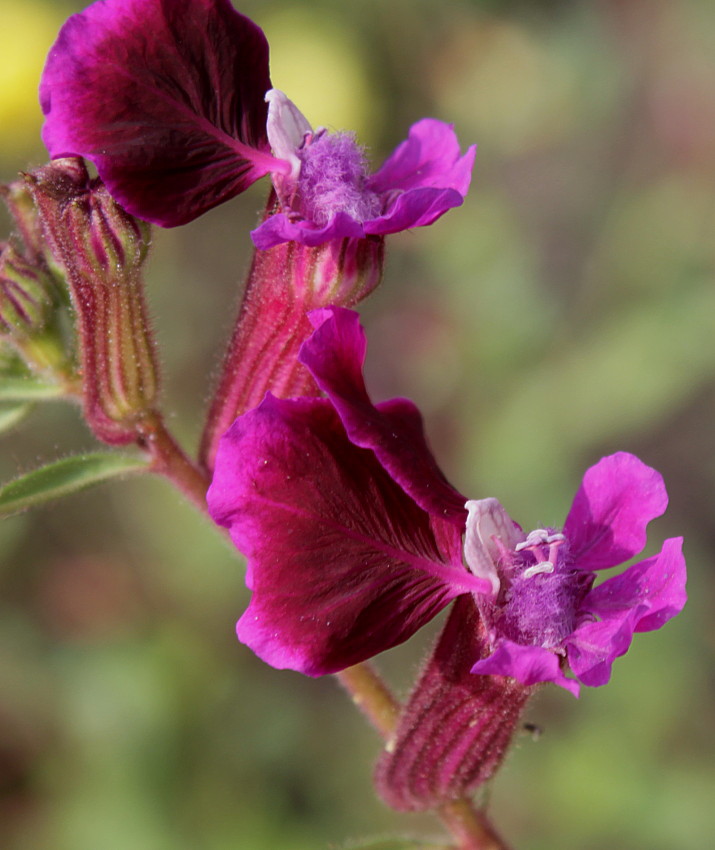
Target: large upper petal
(642, 598)
(607, 522)
(342, 563)
(335, 354)
(166, 98)
(428, 158)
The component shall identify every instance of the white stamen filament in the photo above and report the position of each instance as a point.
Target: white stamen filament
(542, 567)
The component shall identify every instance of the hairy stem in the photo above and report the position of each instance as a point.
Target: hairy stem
(170, 460)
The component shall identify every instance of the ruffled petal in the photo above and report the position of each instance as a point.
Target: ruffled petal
(455, 727)
(527, 664)
(428, 158)
(342, 563)
(607, 522)
(166, 98)
(335, 354)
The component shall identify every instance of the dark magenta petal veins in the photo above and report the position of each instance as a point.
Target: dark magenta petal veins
(166, 97)
(335, 354)
(342, 563)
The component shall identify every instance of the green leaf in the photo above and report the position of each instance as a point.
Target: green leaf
(17, 388)
(10, 415)
(63, 477)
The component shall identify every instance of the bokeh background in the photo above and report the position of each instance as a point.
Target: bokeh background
(566, 311)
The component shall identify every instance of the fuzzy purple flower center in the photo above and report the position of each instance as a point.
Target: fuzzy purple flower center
(333, 179)
(540, 592)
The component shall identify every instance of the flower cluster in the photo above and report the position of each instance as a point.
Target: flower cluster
(172, 101)
(355, 539)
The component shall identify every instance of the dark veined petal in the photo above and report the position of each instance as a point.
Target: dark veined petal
(607, 522)
(428, 158)
(456, 727)
(641, 599)
(342, 563)
(335, 354)
(166, 97)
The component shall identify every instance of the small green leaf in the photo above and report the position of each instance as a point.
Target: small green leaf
(11, 414)
(64, 477)
(16, 388)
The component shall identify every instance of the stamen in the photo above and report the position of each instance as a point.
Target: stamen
(542, 567)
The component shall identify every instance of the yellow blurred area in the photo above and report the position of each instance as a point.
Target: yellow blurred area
(27, 30)
(315, 63)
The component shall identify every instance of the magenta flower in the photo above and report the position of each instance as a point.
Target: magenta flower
(168, 99)
(355, 539)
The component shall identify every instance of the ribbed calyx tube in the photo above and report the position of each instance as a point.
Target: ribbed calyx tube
(283, 284)
(456, 726)
(101, 250)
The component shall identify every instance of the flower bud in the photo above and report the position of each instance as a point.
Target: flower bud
(101, 250)
(25, 294)
(284, 283)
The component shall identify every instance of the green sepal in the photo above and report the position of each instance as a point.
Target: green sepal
(64, 477)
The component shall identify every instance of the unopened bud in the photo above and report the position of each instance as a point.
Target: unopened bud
(101, 250)
(25, 294)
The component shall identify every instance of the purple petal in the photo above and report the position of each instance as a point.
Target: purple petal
(166, 98)
(342, 563)
(607, 522)
(641, 599)
(527, 664)
(428, 158)
(456, 727)
(335, 354)
(656, 586)
(416, 208)
(280, 228)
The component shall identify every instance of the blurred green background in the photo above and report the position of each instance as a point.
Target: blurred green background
(565, 312)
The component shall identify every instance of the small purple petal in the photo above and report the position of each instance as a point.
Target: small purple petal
(594, 646)
(280, 228)
(335, 354)
(641, 599)
(456, 727)
(607, 522)
(529, 665)
(166, 98)
(428, 158)
(415, 208)
(342, 563)
(656, 585)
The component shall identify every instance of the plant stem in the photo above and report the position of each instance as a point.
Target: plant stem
(470, 826)
(170, 460)
(372, 696)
